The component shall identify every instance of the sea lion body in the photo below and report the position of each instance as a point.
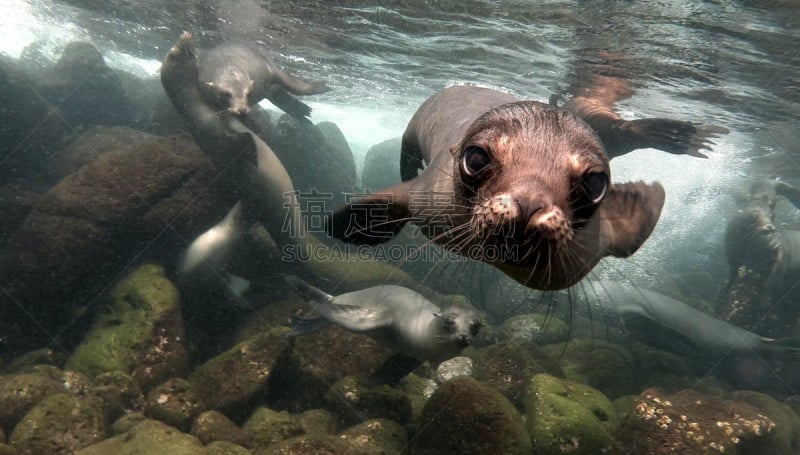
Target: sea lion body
(235, 76)
(398, 318)
(517, 184)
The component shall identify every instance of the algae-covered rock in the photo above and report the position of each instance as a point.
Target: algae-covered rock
(266, 427)
(537, 327)
(174, 403)
(418, 390)
(376, 437)
(466, 417)
(141, 334)
(353, 400)
(453, 368)
(61, 424)
(213, 426)
(20, 392)
(229, 382)
(787, 422)
(564, 416)
(43, 356)
(316, 421)
(507, 366)
(691, 422)
(147, 437)
(6, 449)
(120, 392)
(226, 448)
(317, 444)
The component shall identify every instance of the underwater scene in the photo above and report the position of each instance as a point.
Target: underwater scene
(400, 227)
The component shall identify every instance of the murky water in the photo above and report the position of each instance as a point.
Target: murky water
(728, 63)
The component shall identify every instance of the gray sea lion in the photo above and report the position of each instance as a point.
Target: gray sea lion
(397, 317)
(669, 324)
(521, 185)
(235, 76)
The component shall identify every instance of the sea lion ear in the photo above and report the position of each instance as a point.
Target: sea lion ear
(373, 218)
(629, 214)
(437, 315)
(791, 193)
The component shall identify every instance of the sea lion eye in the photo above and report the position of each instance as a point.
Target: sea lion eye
(475, 327)
(595, 186)
(474, 161)
(449, 324)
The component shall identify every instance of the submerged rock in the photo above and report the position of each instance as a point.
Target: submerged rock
(265, 427)
(317, 444)
(225, 448)
(689, 422)
(466, 417)
(537, 327)
(147, 437)
(453, 368)
(120, 392)
(141, 334)
(567, 417)
(378, 436)
(353, 400)
(19, 393)
(212, 426)
(61, 424)
(174, 403)
(381, 165)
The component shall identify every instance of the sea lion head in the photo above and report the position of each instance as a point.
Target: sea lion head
(458, 324)
(230, 90)
(750, 236)
(535, 175)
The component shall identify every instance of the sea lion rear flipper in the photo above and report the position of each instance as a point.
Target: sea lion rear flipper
(372, 219)
(629, 214)
(672, 136)
(308, 292)
(287, 103)
(791, 193)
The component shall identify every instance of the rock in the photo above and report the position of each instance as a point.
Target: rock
(232, 381)
(564, 416)
(453, 368)
(43, 356)
(266, 427)
(378, 436)
(317, 444)
(316, 421)
(508, 366)
(15, 204)
(323, 358)
(61, 424)
(225, 448)
(141, 334)
(86, 90)
(353, 400)
(690, 422)
(120, 392)
(6, 449)
(787, 422)
(213, 426)
(381, 165)
(19, 393)
(175, 403)
(84, 232)
(147, 437)
(418, 390)
(539, 328)
(466, 417)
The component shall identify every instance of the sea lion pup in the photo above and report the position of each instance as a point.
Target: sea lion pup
(235, 76)
(398, 318)
(597, 87)
(521, 185)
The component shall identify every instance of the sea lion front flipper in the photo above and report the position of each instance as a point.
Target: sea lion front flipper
(287, 103)
(372, 219)
(672, 136)
(299, 86)
(791, 193)
(629, 214)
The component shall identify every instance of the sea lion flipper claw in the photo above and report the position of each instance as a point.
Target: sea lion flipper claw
(630, 213)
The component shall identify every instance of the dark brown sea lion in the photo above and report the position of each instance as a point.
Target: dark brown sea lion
(521, 185)
(598, 86)
(235, 76)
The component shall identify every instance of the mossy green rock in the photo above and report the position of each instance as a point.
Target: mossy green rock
(229, 381)
(376, 437)
(565, 416)
(174, 403)
(147, 437)
(6, 449)
(318, 421)
(226, 448)
(537, 327)
(787, 422)
(61, 424)
(353, 400)
(318, 444)
(141, 334)
(20, 392)
(466, 417)
(213, 426)
(266, 427)
(120, 392)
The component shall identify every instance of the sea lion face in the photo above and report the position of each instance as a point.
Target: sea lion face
(459, 324)
(230, 90)
(751, 237)
(535, 176)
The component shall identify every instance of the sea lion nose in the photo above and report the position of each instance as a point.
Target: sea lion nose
(463, 341)
(529, 206)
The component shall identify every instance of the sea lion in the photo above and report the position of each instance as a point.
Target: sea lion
(597, 86)
(659, 320)
(235, 76)
(521, 185)
(398, 318)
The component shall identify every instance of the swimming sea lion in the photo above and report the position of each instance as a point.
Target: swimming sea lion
(521, 185)
(235, 76)
(398, 318)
